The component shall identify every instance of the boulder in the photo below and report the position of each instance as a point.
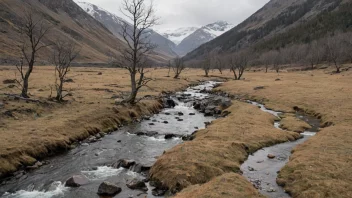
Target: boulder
(208, 113)
(169, 136)
(166, 122)
(139, 168)
(271, 156)
(225, 103)
(137, 185)
(169, 103)
(35, 166)
(124, 163)
(180, 114)
(77, 181)
(196, 105)
(192, 114)
(158, 192)
(108, 189)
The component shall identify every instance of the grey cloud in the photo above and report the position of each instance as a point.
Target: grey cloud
(184, 13)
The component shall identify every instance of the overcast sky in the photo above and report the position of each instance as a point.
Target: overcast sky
(186, 13)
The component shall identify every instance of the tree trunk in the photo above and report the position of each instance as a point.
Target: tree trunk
(132, 98)
(266, 69)
(59, 90)
(206, 73)
(24, 92)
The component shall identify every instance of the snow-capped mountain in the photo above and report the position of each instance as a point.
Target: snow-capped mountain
(177, 35)
(115, 25)
(202, 35)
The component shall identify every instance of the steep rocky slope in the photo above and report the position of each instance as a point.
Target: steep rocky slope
(67, 20)
(115, 25)
(281, 22)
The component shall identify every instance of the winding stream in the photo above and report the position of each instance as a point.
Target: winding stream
(262, 171)
(94, 160)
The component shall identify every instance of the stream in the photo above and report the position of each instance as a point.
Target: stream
(94, 160)
(262, 171)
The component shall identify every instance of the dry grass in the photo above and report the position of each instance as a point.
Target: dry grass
(228, 185)
(38, 130)
(321, 167)
(291, 123)
(219, 149)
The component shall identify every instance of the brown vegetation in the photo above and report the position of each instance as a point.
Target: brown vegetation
(321, 166)
(31, 131)
(219, 149)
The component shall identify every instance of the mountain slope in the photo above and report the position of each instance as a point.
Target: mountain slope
(177, 35)
(67, 20)
(278, 23)
(115, 25)
(202, 35)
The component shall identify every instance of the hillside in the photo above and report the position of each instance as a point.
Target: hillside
(282, 22)
(115, 25)
(66, 20)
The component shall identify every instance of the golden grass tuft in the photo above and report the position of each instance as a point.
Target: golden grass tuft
(219, 149)
(291, 123)
(228, 185)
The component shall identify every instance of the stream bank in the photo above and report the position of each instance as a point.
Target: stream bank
(139, 144)
(262, 167)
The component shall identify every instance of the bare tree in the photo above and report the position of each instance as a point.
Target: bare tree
(266, 60)
(219, 64)
(33, 31)
(276, 60)
(206, 64)
(134, 57)
(178, 66)
(314, 53)
(334, 50)
(64, 53)
(238, 63)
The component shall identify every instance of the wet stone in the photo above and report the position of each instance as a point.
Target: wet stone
(169, 136)
(271, 156)
(124, 163)
(76, 181)
(251, 168)
(137, 185)
(108, 189)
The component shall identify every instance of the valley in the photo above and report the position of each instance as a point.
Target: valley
(175, 99)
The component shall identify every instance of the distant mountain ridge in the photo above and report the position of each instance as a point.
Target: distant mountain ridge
(189, 38)
(115, 25)
(202, 35)
(177, 35)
